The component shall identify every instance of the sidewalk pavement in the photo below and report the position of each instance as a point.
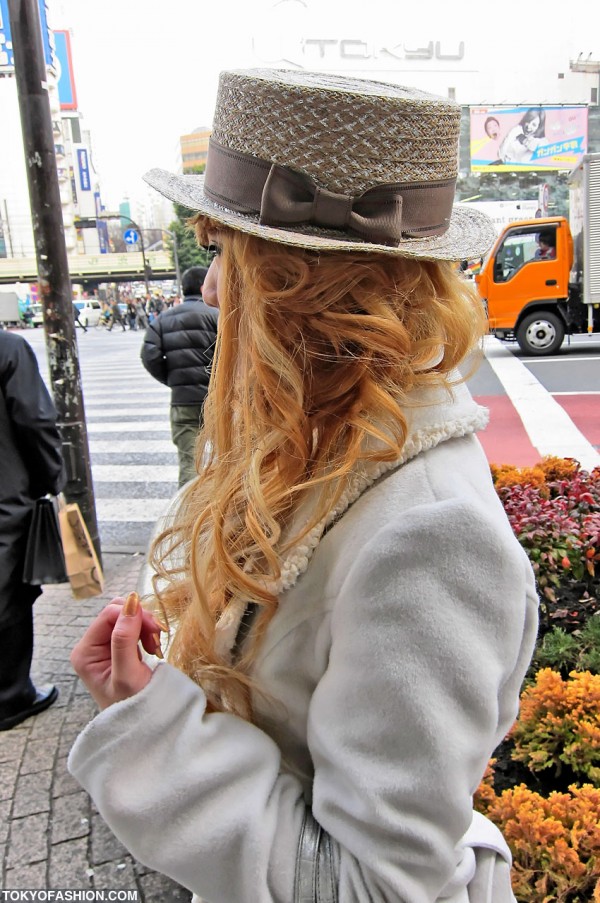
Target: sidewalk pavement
(51, 835)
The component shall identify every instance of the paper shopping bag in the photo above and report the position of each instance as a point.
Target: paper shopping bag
(44, 558)
(83, 568)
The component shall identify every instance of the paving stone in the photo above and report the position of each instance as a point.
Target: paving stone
(116, 875)
(50, 618)
(32, 794)
(4, 814)
(70, 817)
(69, 633)
(28, 841)
(47, 724)
(81, 711)
(12, 744)
(55, 641)
(105, 846)
(8, 779)
(63, 782)
(69, 864)
(158, 888)
(39, 756)
(26, 876)
(67, 740)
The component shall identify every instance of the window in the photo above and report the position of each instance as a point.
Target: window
(523, 246)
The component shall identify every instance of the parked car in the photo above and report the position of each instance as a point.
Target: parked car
(89, 311)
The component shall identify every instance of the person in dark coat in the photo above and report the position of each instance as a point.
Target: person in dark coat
(116, 316)
(178, 351)
(77, 318)
(31, 466)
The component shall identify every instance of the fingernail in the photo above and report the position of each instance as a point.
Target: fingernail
(158, 651)
(132, 603)
(160, 624)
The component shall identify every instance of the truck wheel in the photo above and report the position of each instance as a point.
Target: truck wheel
(541, 333)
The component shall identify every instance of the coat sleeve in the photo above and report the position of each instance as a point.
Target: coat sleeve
(152, 353)
(33, 418)
(429, 638)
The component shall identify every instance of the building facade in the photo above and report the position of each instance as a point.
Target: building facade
(193, 149)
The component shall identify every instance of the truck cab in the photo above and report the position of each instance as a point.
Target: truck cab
(524, 283)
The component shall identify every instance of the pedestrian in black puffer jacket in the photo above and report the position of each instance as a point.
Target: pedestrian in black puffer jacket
(178, 351)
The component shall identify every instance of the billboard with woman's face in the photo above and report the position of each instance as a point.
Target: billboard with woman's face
(527, 138)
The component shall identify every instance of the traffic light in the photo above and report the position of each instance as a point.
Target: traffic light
(85, 223)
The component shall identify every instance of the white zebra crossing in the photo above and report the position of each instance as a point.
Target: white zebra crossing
(141, 413)
(133, 460)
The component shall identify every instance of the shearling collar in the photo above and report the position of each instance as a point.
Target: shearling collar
(434, 416)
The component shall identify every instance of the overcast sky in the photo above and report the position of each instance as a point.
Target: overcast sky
(146, 70)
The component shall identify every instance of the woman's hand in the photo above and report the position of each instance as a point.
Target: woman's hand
(107, 657)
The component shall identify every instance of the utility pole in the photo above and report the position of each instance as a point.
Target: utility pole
(51, 254)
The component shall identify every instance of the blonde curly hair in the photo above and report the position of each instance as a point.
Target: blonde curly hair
(316, 356)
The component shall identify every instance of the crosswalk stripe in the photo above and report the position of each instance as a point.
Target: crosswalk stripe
(96, 411)
(123, 446)
(134, 426)
(124, 510)
(135, 473)
(549, 427)
(125, 396)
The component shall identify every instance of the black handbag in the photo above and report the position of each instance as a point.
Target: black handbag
(44, 556)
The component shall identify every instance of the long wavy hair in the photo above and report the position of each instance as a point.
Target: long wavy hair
(316, 356)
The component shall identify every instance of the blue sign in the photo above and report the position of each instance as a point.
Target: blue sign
(84, 169)
(131, 236)
(66, 80)
(7, 59)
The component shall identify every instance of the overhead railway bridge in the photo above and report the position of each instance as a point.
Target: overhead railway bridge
(94, 269)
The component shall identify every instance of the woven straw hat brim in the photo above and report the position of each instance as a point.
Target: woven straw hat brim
(469, 235)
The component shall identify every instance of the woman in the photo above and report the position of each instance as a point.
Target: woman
(524, 139)
(351, 614)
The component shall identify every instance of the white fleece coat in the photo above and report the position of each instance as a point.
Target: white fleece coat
(394, 664)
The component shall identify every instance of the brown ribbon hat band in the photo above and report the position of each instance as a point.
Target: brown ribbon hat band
(281, 196)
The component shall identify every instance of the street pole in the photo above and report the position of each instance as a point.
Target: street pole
(143, 259)
(176, 261)
(51, 254)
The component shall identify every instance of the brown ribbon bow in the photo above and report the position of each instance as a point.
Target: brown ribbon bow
(384, 214)
(292, 198)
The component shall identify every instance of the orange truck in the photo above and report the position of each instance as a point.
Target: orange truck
(541, 280)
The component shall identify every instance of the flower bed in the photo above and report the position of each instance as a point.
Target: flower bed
(543, 786)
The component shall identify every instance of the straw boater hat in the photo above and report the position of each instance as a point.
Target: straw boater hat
(333, 163)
